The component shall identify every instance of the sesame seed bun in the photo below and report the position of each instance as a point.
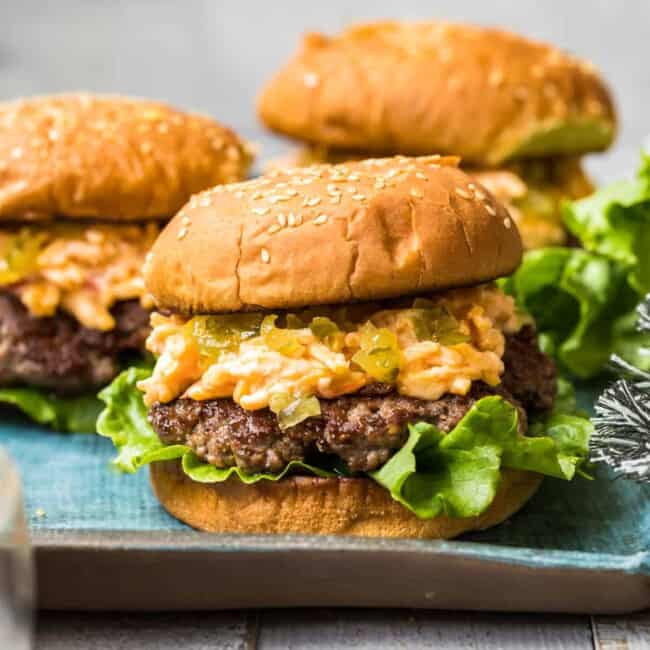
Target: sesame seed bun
(324, 506)
(330, 234)
(113, 158)
(417, 88)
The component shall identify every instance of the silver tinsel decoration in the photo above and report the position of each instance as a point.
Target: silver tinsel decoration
(622, 423)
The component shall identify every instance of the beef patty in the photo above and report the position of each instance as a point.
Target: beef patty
(58, 354)
(364, 429)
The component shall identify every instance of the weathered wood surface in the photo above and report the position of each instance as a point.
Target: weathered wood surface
(369, 630)
(331, 629)
(187, 631)
(622, 633)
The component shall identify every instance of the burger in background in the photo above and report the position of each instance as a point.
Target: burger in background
(333, 356)
(519, 113)
(85, 184)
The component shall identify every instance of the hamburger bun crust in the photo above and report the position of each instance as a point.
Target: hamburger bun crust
(331, 234)
(109, 158)
(321, 506)
(417, 88)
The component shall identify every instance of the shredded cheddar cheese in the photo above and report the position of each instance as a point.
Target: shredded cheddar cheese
(254, 372)
(82, 270)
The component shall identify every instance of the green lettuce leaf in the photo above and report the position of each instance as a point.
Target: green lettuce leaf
(124, 421)
(583, 300)
(615, 222)
(458, 474)
(577, 299)
(66, 414)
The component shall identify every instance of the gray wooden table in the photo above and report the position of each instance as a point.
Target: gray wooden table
(331, 629)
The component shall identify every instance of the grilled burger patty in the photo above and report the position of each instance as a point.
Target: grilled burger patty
(58, 354)
(364, 429)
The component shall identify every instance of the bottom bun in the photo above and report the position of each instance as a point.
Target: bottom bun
(321, 506)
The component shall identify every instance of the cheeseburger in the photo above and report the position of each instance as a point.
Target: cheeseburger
(519, 113)
(333, 356)
(85, 184)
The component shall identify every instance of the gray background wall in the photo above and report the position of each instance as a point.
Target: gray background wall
(213, 56)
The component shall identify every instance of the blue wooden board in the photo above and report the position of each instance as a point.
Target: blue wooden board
(599, 524)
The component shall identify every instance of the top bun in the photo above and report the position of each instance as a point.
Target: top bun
(326, 234)
(417, 88)
(113, 158)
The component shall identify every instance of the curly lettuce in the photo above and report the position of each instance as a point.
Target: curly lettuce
(457, 473)
(66, 414)
(615, 222)
(583, 299)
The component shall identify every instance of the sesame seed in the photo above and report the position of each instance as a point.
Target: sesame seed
(310, 79)
(16, 153)
(261, 211)
(358, 197)
(265, 256)
(291, 220)
(336, 199)
(186, 221)
(434, 166)
(507, 223)
(313, 201)
(352, 189)
(53, 135)
(421, 176)
(496, 77)
(320, 219)
(282, 220)
(490, 210)
(182, 232)
(274, 228)
(292, 192)
(416, 193)
(256, 195)
(353, 177)
(480, 194)
(463, 194)
(239, 194)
